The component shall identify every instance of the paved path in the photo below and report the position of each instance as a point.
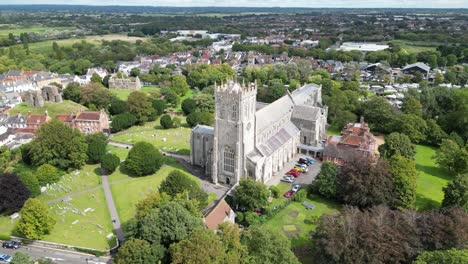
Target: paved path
(112, 209)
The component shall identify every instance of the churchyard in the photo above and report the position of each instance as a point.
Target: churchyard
(175, 140)
(66, 107)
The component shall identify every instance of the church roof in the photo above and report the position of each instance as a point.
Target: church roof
(288, 131)
(200, 129)
(306, 112)
(302, 94)
(273, 112)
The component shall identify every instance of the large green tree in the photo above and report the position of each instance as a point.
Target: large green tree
(456, 192)
(36, 219)
(58, 145)
(203, 246)
(136, 251)
(97, 144)
(450, 256)
(122, 121)
(139, 104)
(179, 84)
(72, 92)
(94, 95)
(179, 182)
(188, 106)
(110, 162)
(397, 144)
(378, 113)
(47, 174)
(404, 179)
(413, 126)
(452, 157)
(326, 181)
(143, 159)
(251, 194)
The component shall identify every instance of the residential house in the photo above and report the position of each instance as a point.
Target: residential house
(220, 213)
(92, 122)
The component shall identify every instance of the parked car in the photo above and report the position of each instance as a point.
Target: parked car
(300, 169)
(303, 161)
(288, 179)
(296, 187)
(4, 258)
(309, 159)
(11, 244)
(301, 165)
(289, 193)
(294, 173)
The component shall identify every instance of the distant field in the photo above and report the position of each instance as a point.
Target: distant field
(415, 46)
(35, 29)
(52, 108)
(123, 94)
(47, 45)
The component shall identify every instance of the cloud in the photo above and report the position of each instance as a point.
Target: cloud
(263, 3)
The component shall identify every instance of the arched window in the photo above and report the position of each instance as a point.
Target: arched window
(229, 161)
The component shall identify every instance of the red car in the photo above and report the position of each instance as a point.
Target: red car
(294, 173)
(289, 193)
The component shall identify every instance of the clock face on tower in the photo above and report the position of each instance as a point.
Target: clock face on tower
(248, 126)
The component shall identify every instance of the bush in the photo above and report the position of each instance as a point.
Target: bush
(176, 122)
(275, 192)
(97, 144)
(200, 118)
(30, 181)
(159, 106)
(5, 237)
(178, 182)
(122, 121)
(110, 162)
(239, 217)
(252, 218)
(166, 121)
(189, 106)
(300, 196)
(143, 159)
(47, 174)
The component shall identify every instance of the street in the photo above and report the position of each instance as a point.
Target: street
(57, 255)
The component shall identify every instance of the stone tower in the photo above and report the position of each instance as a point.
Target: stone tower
(234, 135)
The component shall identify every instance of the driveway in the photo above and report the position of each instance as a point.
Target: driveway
(303, 179)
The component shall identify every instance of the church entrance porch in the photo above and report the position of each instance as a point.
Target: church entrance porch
(304, 178)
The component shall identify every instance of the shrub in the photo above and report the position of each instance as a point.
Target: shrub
(30, 181)
(189, 106)
(300, 196)
(47, 174)
(275, 192)
(97, 144)
(166, 121)
(110, 162)
(36, 219)
(252, 218)
(239, 217)
(159, 106)
(122, 121)
(143, 159)
(176, 122)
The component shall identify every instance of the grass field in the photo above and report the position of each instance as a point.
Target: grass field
(414, 46)
(35, 29)
(120, 152)
(52, 108)
(127, 194)
(431, 179)
(123, 94)
(177, 139)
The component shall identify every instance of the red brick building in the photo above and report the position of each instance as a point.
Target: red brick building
(87, 122)
(356, 141)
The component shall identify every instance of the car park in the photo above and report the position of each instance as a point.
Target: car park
(300, 169)
(294, 173)
(296, 187)
(4, 258)
(309, 160)
(289, 194)
(11, 244)
(288, 179)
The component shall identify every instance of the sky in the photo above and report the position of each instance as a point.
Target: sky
(262, 3)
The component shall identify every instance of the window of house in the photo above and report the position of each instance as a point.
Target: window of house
(229, 160)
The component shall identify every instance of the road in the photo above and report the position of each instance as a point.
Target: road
(58, 256)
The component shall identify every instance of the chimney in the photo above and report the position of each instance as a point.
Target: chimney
(362, 121)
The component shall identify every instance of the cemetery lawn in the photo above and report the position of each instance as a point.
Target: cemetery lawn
(91, 229)
(128, 193)
(52, 108)
(431, 179)
(120, 152)
(123, 94)
(177, 139)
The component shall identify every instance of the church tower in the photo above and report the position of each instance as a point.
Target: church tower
(234, 135)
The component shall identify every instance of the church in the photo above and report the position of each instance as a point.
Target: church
(253, 139)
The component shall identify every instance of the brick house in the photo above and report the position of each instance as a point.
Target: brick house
(356, 141)
(35, 121)
(221, 213)
(87, 122)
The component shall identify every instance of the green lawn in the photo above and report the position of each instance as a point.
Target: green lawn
(127, 194)
(431, 179)
(415, 46)
(123, 94)
(333, 130)
(34, 29)
(53, 109)
(177, 140)
(120, 152)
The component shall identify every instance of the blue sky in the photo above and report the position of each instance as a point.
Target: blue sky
(262, 3)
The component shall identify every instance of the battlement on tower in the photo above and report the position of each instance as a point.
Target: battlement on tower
(233, 87)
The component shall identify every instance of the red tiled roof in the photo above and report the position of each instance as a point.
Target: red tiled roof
(88, 116)
(217, 215)
(64, 118)
(25, 130)
(353, 140)
(36, 119)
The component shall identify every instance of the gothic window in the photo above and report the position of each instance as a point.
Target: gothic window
(229, 160)
(235, 110)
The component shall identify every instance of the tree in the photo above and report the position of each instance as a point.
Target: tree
(117, 106)
(179, 85)
(199, 118)
(397, 144)
(94, 94)
(203, 246)
(404, 179)
(122, 121)
(176, 122)
(178, 182)
(266, 246)
(21, 258)
(72, 92)
(110, 162)
(168, 224)
(205, 103)
(451, 157)
(30, 181)
(251, 218)
(435, 134)
(451, 60)
(159, 106)
(143, 159)
(189, 106)
(450, 256)
(136, 251)
(80, 66)
(166, 121)
(378, 112)
(47, 174)
(413, 126)
(134, 72)
(456, 192)
(140, 106)
(251, 194)
(36, 219)
(13, 194)
(326, 181)
(95, 78)
(170, 96)
(363, 183)
(58, 145)
(412, 106)
(97, 144)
